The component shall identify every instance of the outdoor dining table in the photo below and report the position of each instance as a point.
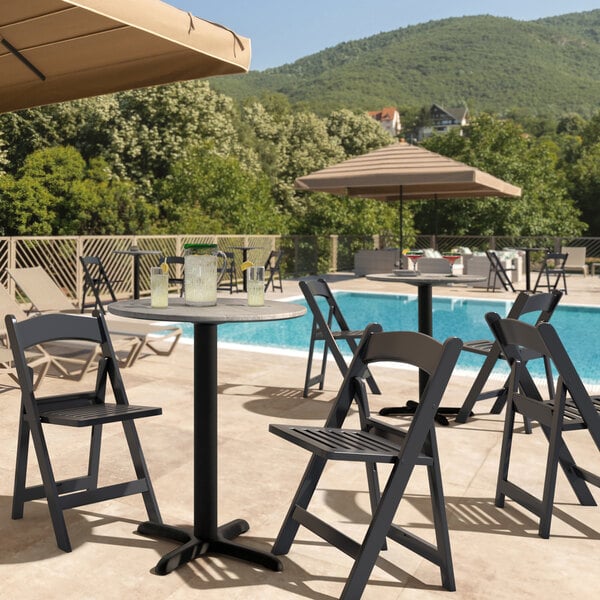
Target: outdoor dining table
(207, 536)
(424, 283)
(137, 254)
(528, 252)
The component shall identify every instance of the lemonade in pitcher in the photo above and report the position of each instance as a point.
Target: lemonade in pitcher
(201, 274)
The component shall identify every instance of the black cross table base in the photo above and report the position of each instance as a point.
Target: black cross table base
(192, 547)
(424, 284)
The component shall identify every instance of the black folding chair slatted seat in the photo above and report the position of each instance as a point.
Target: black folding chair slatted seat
(82, 408)
(553, 270)
(378, 442)
(498, 272)
(322, 330)
(570, 408)
(525, 303)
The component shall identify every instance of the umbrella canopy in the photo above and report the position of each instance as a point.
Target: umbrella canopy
(57, 50)
(404, 171)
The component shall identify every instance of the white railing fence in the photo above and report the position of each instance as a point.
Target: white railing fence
(302, 254)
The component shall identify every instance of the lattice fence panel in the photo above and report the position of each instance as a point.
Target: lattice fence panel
(56, 255)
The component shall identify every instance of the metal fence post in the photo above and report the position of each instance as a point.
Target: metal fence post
(333, 262)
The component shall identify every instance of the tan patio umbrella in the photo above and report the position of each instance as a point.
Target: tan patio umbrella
(402, 171)
(57, 50)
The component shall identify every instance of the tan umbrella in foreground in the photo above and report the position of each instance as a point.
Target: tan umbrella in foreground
(57, 50)
(402, 171)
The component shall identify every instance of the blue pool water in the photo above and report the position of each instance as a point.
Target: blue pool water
(577, 326)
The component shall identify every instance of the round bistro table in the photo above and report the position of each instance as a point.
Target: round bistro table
(208, 536)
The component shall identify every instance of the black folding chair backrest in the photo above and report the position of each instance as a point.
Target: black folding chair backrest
(553, 269)
(569, 408)
(96, 281)
(272, 270)
(175, 274)
(329, 327)
(525, 303)
(229, 279)
(498, 272)
(79, 408)
(378, 441)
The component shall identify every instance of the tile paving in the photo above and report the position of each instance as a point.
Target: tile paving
(496, 552)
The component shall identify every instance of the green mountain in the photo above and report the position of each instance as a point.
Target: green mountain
(545, 67)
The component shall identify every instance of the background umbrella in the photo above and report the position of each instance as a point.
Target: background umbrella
(57, 50)
(402, 171)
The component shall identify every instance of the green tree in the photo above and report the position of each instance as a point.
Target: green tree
(502, 149)
(584, 185)
(208, 193)
(357, 133)
(56, 192)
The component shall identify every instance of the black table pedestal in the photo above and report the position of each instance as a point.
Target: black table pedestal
(425, 317)
(207, 536)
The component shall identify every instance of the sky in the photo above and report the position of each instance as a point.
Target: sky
(282, 32)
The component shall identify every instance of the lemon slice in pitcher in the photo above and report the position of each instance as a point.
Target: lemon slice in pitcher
(246, 264)
(164, 267)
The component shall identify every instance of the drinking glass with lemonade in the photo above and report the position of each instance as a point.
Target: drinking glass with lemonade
(255, 285)
(159, 286)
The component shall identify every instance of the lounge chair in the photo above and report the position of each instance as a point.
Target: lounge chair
(72, 360)
(575, 259)
(38, 358)
(434, 265)
(45, 296)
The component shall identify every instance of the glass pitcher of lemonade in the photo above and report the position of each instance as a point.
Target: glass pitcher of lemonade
(202, 273)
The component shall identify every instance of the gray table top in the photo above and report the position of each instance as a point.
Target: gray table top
(227, 310)
(426, 278)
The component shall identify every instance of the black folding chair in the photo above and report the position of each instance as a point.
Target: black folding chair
(569, 408)
(377, 441)
(498, 272)
(96, 281)
(553, 269)
(322, 331)
(85, 408)
(229, 278)
(273, 270)
(175, 266)
(525, 304)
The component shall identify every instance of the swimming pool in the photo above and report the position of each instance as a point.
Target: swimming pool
(462, 317)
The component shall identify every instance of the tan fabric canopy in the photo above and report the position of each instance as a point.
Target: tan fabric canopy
(57, 50)
(403, 171)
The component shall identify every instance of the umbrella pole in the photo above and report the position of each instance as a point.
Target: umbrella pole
(401, 215)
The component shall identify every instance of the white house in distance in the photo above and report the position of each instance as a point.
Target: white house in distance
(389, 119)
(443, 120)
